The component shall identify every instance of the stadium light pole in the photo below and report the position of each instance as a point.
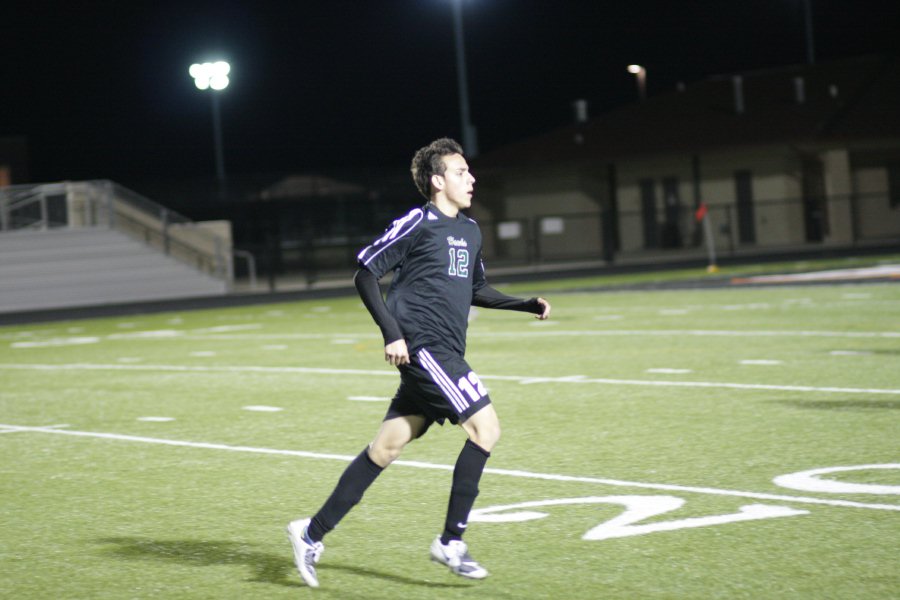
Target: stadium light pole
(469, 134)
(214, 77)
(640, 74)
(810, 38)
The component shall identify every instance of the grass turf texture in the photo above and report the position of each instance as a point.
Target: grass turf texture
(95, 517)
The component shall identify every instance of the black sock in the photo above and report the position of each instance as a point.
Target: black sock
(357, 478)
(464, 490)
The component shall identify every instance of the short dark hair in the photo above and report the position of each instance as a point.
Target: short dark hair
(427, 162)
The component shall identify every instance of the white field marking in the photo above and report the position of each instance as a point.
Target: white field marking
(440, 467)
(857, 296)
(850, 353)
(753, 306)
(53, 342)
(760, 361)
(637, 509)
(530, 380)
(321, 309)
(129, 359)
(151, 334)
(368, 398)
(692, 333)
(390, 373)
(808, 481)
(263, 408)
(75, 330)
(275, 347)
(669, 371)
(881, 271)
(203, 353)
(156, 419)
(166, 334)
(545, 323)
(126, 325)
(175, 321)
(228, 328)
(5, 429)
(22, 334)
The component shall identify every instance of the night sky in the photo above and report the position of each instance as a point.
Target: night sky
(101, 89)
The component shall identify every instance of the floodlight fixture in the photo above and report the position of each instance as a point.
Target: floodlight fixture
(210, 75)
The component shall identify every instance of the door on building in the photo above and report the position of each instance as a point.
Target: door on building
(743, 190)
(672, 199)
(815, 207)
(648, 213)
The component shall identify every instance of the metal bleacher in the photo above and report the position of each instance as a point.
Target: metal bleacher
(79, 244)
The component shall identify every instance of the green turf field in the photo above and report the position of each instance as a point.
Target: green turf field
(160, 456)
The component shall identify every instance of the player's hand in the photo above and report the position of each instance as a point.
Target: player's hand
(397, 353)
(546, 312)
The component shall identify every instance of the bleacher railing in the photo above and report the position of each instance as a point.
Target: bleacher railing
(104, 203)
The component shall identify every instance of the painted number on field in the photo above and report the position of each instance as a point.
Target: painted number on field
(812, 481)
(637, 509)
(640, 508)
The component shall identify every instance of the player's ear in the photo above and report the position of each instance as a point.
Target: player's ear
(437, 182)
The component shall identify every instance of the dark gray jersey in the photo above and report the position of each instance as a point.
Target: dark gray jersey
(437, 266)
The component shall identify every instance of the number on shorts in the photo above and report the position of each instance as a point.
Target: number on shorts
(472, 386)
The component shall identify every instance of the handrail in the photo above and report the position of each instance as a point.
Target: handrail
(251, 265)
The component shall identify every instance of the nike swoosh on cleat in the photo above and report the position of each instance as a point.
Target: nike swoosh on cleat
(462, 525)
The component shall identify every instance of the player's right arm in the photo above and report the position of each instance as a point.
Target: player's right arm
(395, 350)
(383, 255)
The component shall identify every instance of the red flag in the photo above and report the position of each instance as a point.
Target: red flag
(700, 212)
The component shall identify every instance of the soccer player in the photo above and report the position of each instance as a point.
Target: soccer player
(435, 255)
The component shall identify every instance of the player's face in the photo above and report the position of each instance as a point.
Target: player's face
(459, 183)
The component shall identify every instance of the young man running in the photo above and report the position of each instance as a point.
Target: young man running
(435, 255)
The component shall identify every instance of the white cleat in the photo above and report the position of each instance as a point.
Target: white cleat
(306, 555)
(455, 555)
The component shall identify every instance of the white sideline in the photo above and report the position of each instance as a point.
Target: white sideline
(391, 373)
(5, 428)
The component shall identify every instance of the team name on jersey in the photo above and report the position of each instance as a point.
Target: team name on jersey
(459, 243)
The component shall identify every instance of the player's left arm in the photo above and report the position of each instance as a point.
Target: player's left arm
(488, 297)
(484, 296)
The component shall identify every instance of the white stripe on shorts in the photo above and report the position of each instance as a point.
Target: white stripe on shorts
(443, 381)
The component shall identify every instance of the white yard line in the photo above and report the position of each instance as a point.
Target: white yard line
(169, 334)
(424, 465)
(694, 333)
(575, 379)
(542, 333)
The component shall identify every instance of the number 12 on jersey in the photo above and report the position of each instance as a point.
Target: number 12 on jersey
(459, 262)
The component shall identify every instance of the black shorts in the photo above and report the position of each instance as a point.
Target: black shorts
(438, 385)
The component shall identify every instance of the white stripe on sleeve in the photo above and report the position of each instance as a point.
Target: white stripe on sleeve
(398, 230)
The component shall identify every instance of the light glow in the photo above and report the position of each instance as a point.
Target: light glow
(635, 69)
(210, 75)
